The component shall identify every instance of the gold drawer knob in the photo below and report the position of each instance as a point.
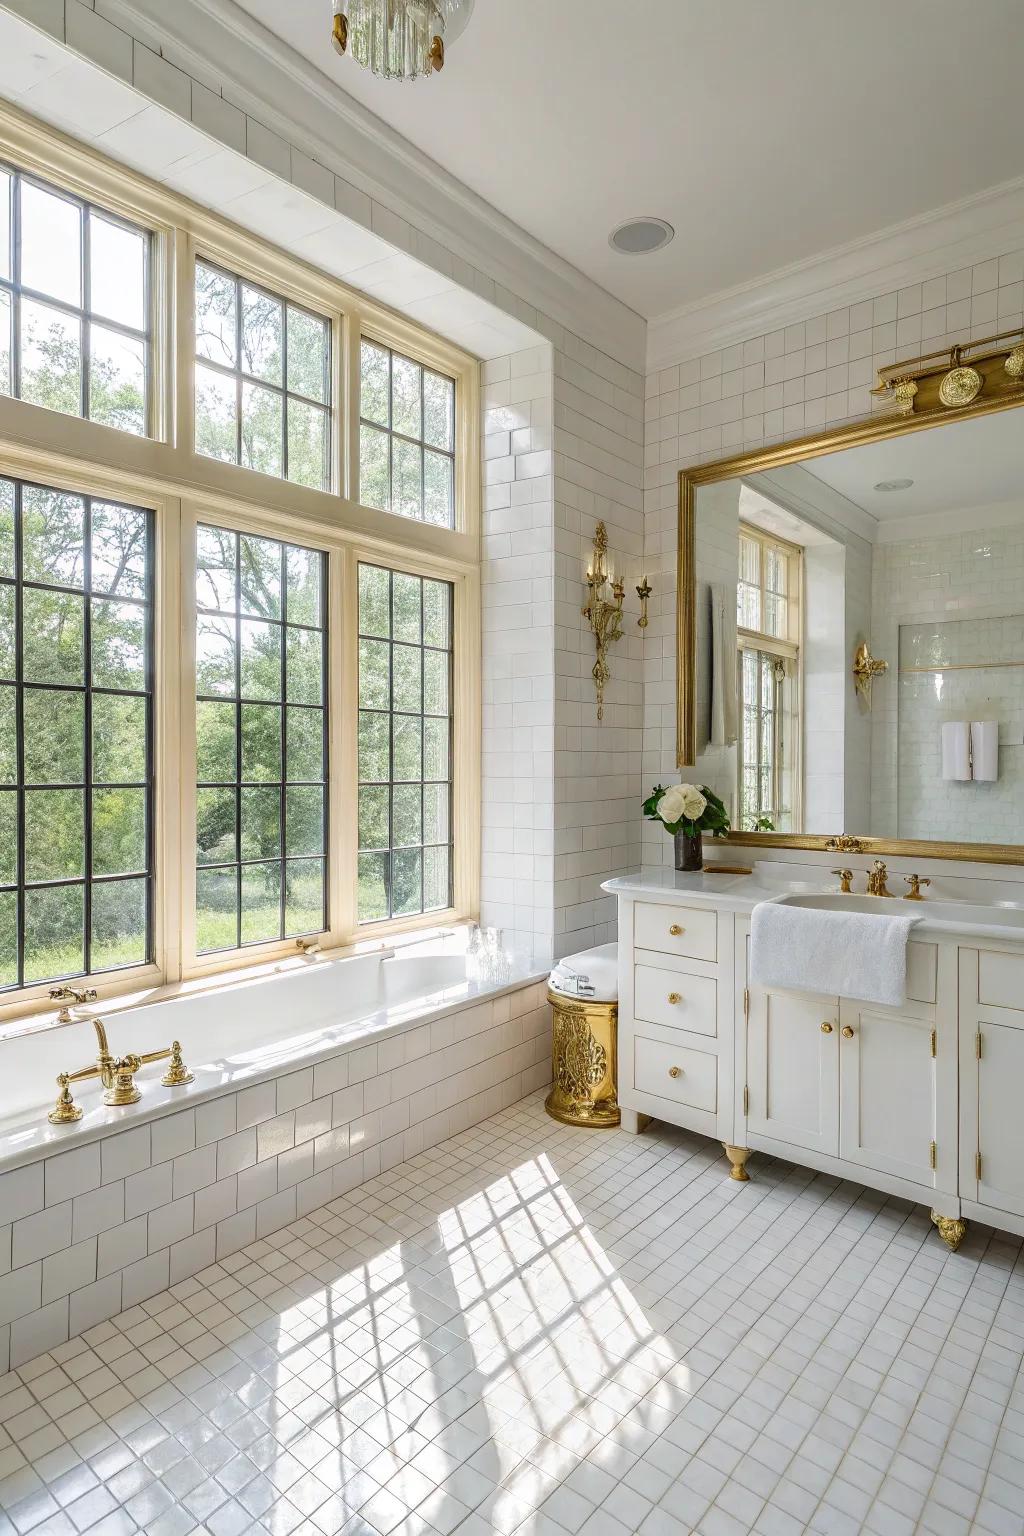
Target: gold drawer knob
(675, 930)
(674, 997)
(847, 1032)
(675, 1071)
(826, 1029)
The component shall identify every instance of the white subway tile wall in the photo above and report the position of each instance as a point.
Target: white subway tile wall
(562, 435)
(86, 1232)
(798, 380)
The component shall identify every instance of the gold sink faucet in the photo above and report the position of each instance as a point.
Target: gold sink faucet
(66, 996)
(117, 1074)
(877, 876)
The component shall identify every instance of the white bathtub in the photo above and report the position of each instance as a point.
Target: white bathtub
(308, 1082)
(233, 1034)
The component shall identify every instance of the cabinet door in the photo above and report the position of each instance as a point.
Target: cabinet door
(1000, 1062)
(793, 1069)
(887, 1091)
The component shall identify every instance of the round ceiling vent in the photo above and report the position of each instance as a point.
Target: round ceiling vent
(639, 237)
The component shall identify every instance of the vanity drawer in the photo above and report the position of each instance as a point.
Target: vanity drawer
(677, 999)
(676, 1072)
(689, 931)
(1000, 979)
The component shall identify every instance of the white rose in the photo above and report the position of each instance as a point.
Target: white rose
(671, 806)
(694, 803)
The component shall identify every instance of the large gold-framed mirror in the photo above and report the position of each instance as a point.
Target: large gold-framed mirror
(850, 623)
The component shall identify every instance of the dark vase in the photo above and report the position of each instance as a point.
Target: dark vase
(689, 850)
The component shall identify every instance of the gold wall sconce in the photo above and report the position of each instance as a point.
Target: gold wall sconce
(865, 669)
(604, 617)
(643, 592)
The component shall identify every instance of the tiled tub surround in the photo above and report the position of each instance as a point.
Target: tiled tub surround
(96, 1217)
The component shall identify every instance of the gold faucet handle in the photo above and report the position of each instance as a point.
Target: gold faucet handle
(65, 1111)
(177, 1073)
(915, 882)
(845, 877)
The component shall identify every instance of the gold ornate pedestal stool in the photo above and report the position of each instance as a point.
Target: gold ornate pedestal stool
(584, 1062)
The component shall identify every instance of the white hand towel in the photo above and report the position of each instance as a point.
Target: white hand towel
(985, 750)
(723, 674)
(956, 749)
(842, 954)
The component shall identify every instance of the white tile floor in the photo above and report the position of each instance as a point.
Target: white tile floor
(540, 1330)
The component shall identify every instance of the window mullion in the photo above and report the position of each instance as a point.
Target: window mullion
(342, 726)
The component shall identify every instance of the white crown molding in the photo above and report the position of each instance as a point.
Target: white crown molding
(987, 224)
(256, 71)
(958, 522)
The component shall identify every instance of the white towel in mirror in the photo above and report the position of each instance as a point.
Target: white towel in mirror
(985, 750)
(956, 749)
(723, 673)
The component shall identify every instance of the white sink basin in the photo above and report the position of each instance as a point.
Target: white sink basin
(951, 914)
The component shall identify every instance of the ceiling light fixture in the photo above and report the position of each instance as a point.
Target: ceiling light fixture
(894, 485)
(639, 237)
(398, 39)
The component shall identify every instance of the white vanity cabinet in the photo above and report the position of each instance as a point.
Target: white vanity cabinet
(862, 1087)
(676, 1017)
(924, 1101)
(792, 1057)
(991, 1085)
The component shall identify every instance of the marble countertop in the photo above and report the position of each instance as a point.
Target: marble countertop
(1001, 921)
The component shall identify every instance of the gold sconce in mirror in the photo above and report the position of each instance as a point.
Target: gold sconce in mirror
(865, 669)
(643, 592)
(604, 617)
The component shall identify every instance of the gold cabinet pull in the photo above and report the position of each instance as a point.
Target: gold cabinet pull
(674, 997)
(675, 930)
(847, 1032)
(675, 1071)
(826, 1028)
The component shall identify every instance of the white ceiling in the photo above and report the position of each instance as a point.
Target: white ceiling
(54, 84)
(765, 132)
(955, 467)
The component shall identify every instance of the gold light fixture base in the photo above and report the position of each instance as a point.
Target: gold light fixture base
(962, 383)
(865, 669)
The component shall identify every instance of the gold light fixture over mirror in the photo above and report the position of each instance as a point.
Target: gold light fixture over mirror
(908, 526)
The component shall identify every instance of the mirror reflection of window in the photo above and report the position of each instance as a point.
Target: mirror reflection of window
(768, 619)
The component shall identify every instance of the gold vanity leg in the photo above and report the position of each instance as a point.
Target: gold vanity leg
(737, 1157)
(952, 1230)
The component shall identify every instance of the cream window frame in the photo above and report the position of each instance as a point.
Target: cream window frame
(164, 472)
(786, 648)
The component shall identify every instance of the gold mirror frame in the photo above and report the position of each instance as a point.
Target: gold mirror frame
(1007, 394)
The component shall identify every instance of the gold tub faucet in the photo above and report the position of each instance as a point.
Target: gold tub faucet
(117, 1074)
